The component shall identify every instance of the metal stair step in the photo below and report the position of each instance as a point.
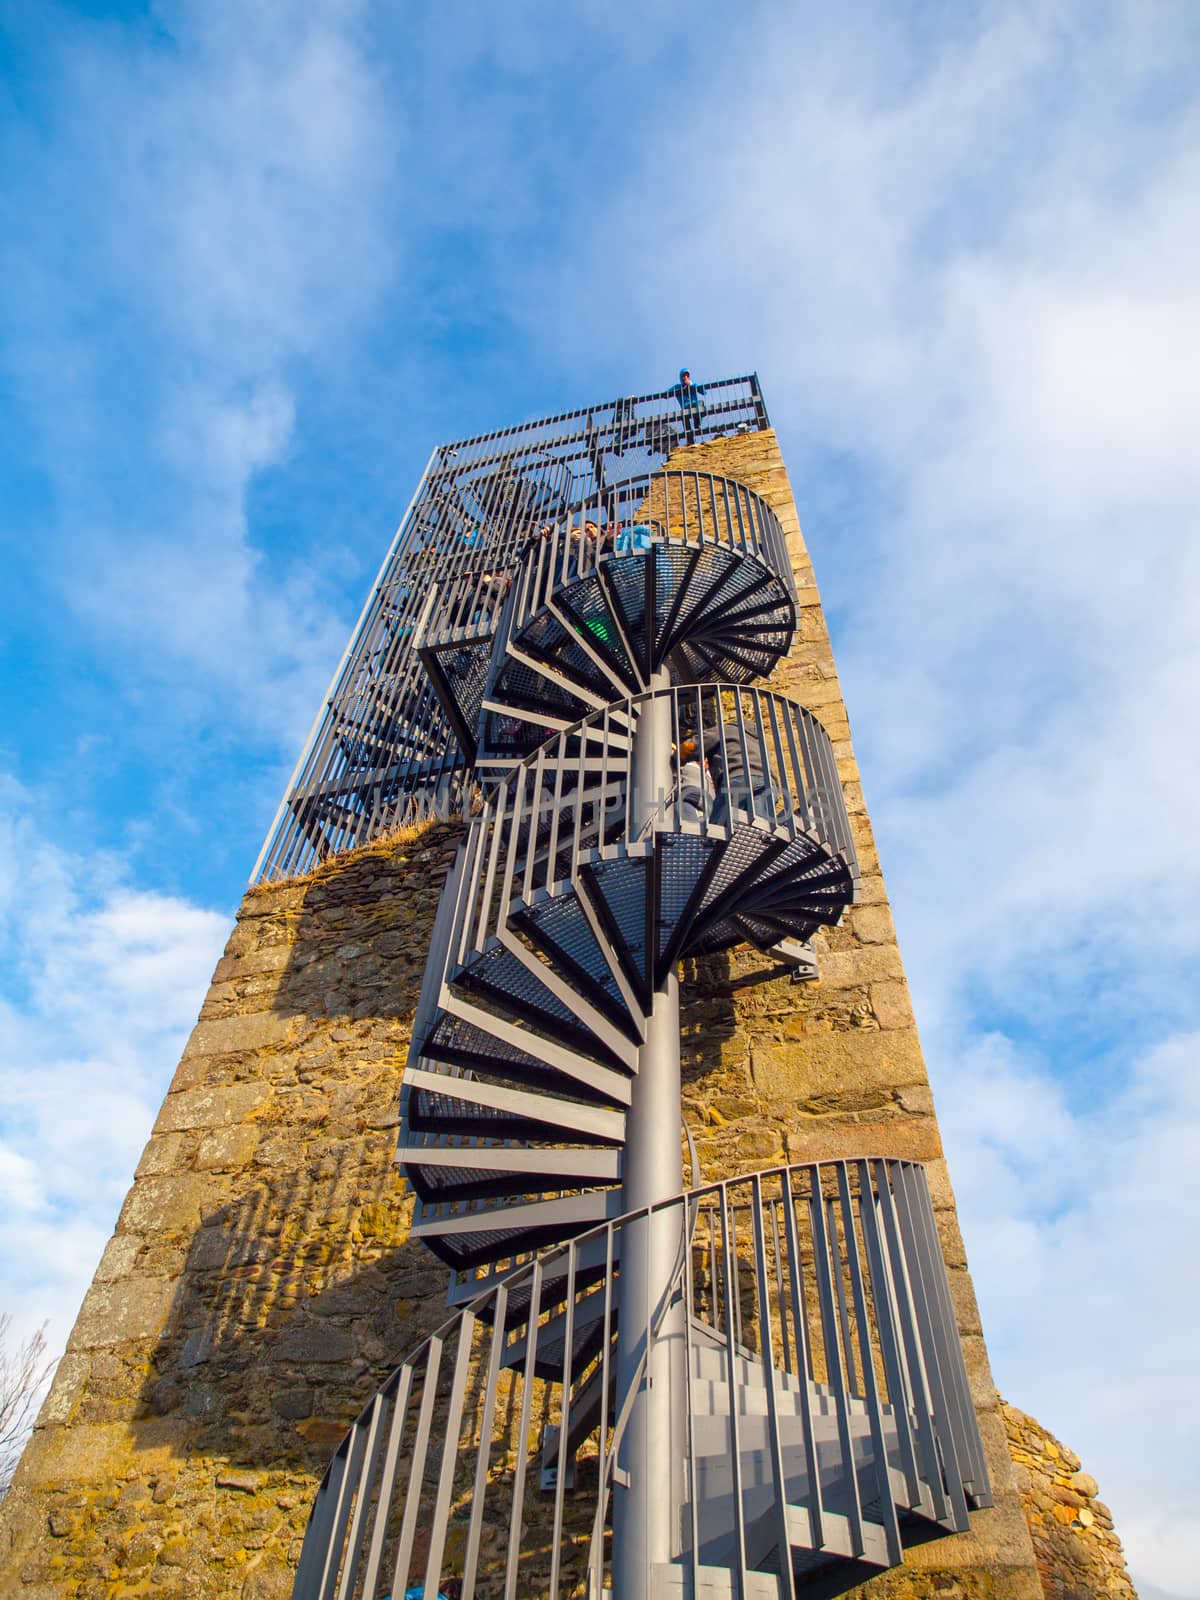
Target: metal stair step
(437, 1099)
(477, 1169)
(503, 978)
(711, 1399)
(673, 1581)
(759, 1512)
(558, 925)
(496, 1230)
(709, 1362)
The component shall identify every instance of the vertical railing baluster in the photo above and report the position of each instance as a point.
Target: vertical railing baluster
(604, 1465)
(771, 1380)
(362, 1502)
(535, 820)
(883, 1478)
(917, 1390)
(483, 1459)
(560, 761)
(824, 1267)
(416, 1473)
(387, 1482)
(780, 1293)
(787, 816)
(732, 1357)
(691, 1217)
(497, 813)
(513, 843)
(769, 800)
(347, 1490)
(967, 1441)
(839, 1283)
(800, 789)
(935, 1320)
(735, 1268)
(804, 1362)
(560, 1476)
(449, 1445)
(528, 1379)
(314, 1558)
(889, 1337)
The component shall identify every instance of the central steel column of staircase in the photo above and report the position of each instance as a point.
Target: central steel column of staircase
(772, 1383)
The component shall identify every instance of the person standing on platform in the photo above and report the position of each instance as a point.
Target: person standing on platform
(691, 402)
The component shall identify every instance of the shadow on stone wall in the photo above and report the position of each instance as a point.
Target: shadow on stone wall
(269, 1211)
(298, 1290)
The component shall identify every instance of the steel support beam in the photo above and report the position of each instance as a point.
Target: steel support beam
(651, 1360)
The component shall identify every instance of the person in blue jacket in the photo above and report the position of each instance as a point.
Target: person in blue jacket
(691, 403)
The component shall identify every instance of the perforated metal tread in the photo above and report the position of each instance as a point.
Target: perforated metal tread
(714, 613)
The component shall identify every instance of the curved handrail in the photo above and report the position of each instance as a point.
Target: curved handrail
(673, 507)
(744, 757)
(819, 1285)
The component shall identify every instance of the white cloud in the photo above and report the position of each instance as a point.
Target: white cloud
(1080, 1221)
(245, 151)
(101, 983)
(228, 179)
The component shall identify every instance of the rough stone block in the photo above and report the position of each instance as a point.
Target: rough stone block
(979, 1372)
(165, 1153)
(258, 961)
(166, 1205)
(112, 1313)
(941, 1193)
(891, 1004)
(119, 1256)
(859, 966)
(221, 1248)
(70, 1376)
(227, 1149)
(828, 1139)
(210, 1108)
(317, 1342)
(822, 1064)
(227, 1036)
(966, 1307)
(872, 924)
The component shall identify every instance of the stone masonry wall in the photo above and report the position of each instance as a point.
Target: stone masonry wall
(259, 1285)
(1078, 1553)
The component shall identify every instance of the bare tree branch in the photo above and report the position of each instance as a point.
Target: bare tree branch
(24, 1372)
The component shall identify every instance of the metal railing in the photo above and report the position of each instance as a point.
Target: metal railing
(744, 757)
(696, 508)
(824, 1417)
(383, 750)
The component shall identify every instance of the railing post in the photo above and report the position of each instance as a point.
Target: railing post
(650, 1332)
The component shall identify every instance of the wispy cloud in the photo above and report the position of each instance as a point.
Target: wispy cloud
(101, 983)
(203, 222)
(1080, 1214)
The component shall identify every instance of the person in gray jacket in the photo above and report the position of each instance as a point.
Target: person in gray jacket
(739, 770)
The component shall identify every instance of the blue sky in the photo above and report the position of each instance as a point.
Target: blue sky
(256, 260)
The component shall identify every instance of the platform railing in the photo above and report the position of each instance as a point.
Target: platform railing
(822, 1358)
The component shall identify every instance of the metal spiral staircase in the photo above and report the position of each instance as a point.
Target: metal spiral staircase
(754, 1388)
(566, 914)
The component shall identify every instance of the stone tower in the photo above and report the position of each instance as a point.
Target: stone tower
(577, 845)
